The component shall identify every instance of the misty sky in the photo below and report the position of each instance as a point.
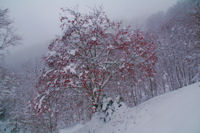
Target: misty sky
(37, 21)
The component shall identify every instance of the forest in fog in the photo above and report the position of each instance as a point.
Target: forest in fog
(96, 65)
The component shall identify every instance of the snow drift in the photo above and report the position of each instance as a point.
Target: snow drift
(174, 112)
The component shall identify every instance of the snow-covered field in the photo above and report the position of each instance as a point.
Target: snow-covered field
(174, 112)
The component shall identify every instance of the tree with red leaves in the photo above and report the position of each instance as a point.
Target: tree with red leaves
(93, 54)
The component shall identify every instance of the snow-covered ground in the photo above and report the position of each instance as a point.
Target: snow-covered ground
(174, 112)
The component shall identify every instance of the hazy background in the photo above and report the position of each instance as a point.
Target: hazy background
(37, 21)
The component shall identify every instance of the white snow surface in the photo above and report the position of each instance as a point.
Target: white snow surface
(173, 112)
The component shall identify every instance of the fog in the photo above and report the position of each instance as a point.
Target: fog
(37, 21)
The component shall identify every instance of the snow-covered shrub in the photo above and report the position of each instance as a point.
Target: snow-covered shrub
(109, 106)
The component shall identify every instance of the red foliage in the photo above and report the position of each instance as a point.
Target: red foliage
(92, 52)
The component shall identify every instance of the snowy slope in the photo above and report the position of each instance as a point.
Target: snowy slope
(174, 112)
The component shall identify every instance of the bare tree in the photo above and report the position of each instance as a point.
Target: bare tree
(7, 35)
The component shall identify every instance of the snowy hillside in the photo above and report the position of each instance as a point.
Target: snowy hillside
(174, 112)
